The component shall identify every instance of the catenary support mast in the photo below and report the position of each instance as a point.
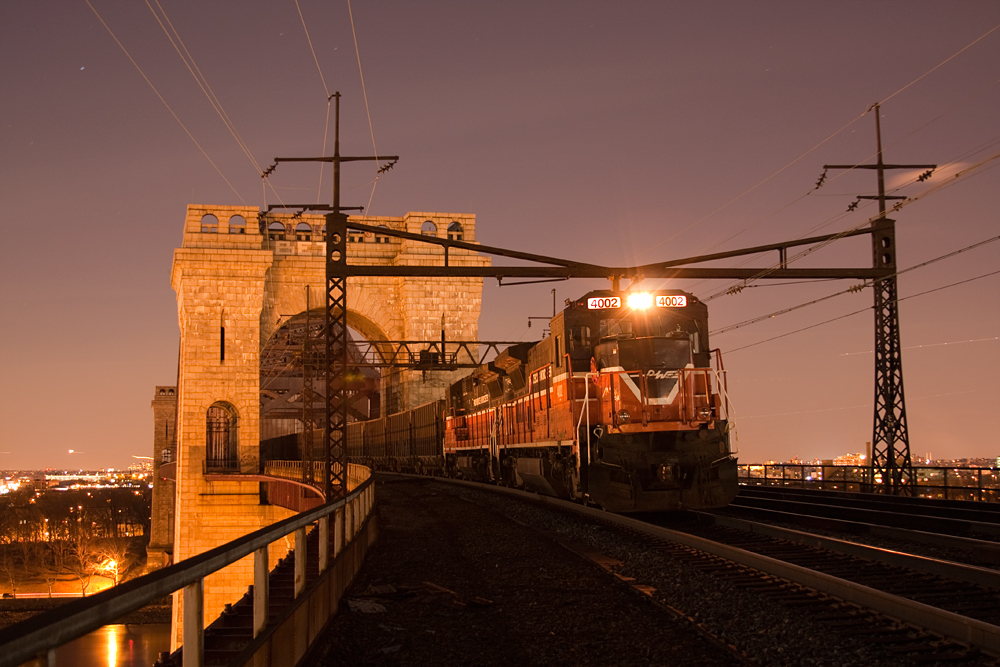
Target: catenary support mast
(891, 467)
(335, 323)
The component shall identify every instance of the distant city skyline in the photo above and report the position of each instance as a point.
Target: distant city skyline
(615, 133)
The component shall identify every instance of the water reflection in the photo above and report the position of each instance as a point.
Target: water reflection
(116, 646)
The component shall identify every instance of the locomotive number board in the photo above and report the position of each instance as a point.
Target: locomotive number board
(602, 302)
(671, 301)
(661, 301)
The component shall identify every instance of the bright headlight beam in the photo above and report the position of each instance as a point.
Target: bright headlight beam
(640, 300)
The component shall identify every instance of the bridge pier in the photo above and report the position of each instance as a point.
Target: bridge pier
(238, 277)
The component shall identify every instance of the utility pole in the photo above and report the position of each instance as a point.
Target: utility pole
(335, 323)
(890, 466)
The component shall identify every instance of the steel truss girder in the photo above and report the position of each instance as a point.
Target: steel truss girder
(606, 272)
(564, 268)
(449, 355)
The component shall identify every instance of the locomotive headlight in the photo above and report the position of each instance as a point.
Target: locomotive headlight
(640, 300)
(624, 416)
(705, 413)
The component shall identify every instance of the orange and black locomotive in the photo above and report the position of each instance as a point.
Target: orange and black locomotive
(620, 405)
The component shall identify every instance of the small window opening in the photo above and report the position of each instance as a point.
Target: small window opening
(303, 232)
(237, 225)
(428, 228)
(222, 344)
(276, 231)
(455, 232)
(209, 224)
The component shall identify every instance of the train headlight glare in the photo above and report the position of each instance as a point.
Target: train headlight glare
(624, 416)
(640, 300)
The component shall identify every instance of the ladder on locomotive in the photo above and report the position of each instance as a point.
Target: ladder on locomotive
(494, 444)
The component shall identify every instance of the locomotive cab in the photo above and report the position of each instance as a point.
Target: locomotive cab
(658, 433)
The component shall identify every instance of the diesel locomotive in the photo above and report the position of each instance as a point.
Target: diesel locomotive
(623, 405)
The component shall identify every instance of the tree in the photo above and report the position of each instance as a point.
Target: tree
(115, 558)
(10, 567)
(55, 562)
(84, 558)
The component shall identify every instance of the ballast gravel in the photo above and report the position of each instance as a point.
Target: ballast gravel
(461, 576)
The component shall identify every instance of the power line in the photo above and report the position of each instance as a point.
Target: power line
(856, 312)
(853, 288)
(202, 82)
(364, 93)
(831, 136)
(896, 207)
(329, 97)
(179, 121)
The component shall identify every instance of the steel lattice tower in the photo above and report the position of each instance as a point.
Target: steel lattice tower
(890, 468)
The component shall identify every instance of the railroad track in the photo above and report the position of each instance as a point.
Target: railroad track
(970, 534)
(915, 609)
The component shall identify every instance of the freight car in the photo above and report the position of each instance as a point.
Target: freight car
(619, 406)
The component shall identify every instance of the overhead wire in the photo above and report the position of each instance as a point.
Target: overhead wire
(364, 93)
(329, 97)
(824, 141)
(863, 310)
(164, 101)
(853, 288)
(192, 66)
(896, 207)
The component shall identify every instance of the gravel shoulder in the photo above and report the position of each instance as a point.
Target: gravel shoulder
(452, 581)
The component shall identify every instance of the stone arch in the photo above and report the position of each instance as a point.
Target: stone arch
(428, 228)
(237, 225)
(455, 232)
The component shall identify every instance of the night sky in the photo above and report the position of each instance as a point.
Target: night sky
(615, 133)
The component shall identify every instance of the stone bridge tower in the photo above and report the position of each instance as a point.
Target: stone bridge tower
(238, 277)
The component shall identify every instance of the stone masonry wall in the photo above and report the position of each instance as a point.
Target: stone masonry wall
(160, 550)
(238, 274)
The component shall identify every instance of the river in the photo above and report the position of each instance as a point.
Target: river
(116, 646)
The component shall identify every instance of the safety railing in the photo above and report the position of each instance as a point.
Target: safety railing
(41, 635)
(978, 484)
(292, 470)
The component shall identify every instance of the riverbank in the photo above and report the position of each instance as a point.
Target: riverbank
(16, 610)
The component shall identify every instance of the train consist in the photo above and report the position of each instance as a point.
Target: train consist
(620, 406)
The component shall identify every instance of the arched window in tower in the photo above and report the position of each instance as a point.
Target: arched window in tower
(221, 438)
(379, 238)
(303, 232)
(237, 225)
(455, 232)
(209, 224)
(428, 228)
(276, 231)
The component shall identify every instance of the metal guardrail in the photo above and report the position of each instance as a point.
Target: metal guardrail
(42, 634)
(292, 470)
(977, 484)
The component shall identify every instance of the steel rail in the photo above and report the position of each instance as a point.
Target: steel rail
(984, 636)
(982, 548)
(971, 574)
(39, 634)
(885, 516)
